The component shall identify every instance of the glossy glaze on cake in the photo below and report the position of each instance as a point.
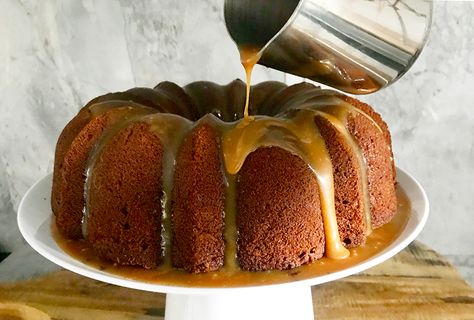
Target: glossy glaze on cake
(177, 176)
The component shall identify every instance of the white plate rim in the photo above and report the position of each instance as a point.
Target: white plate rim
(29, 226)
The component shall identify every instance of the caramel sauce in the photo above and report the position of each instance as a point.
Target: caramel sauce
(249, 56)
(339, 122)
(171, 129)
(380, 239)
(231, 232)
(300, 136)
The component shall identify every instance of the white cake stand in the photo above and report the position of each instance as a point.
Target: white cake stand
(290, 300)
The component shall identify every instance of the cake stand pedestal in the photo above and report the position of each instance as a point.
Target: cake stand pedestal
(271, 303)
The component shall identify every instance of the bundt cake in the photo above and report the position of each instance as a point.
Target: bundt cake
(177, 176)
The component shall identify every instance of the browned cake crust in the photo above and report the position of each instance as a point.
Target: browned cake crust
(166, 97)
(72, 151)
(382, 124)
(124, 223)
(377, 151)
(279, 222)
(184, 105)
(260, 93)
(371, 112)
(351, 221)
(197, 208)
(282, 97)
(206, 94)
(62, 198)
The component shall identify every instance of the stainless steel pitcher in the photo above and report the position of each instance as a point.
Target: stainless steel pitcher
(357, 46)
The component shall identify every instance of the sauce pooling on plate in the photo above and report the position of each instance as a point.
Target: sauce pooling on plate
(379, 240)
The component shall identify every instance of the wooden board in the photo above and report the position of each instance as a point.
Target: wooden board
(416, 284)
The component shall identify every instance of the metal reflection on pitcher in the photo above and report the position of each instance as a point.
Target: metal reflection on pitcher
(356, 46)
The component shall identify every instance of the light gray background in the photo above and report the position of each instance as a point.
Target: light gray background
(57, 55)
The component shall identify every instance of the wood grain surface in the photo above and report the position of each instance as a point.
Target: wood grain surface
(416, 284)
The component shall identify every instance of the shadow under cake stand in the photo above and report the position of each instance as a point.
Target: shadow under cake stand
(290, 300)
